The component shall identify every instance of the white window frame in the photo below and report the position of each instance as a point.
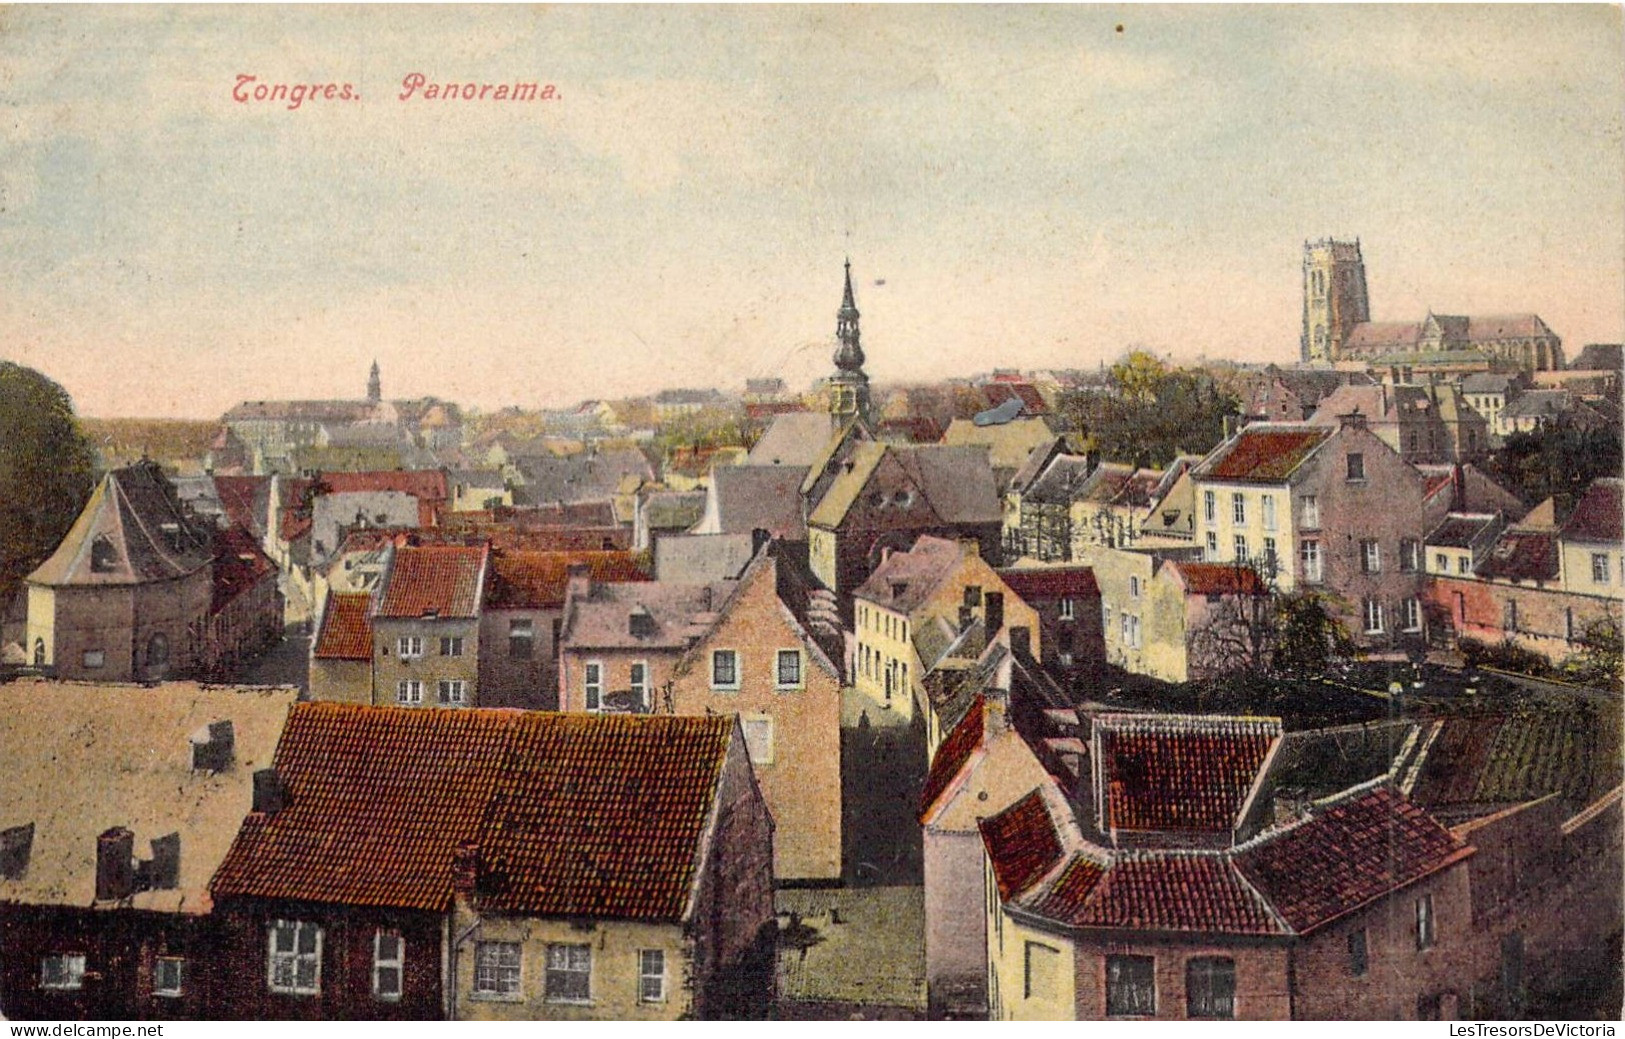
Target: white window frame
(1239, 546)
(592, 685)
(1238, 508)
(451, 645)
(1371, 557)
(568, 951)
(1066, 608)
(732, 685)
(72, 972)
(453, 691)
(779, 659)
(1599, 565)
(1427, 934)
(159, 988)
(1410, 555)
(759, 755)
(294, 957)
(1212, 547)
(645, 976)
(409, 691)
(1268, 505)
(494, 977)
(409, 647)
(1309, 508)
(1411, 614)
(1210, 506)
(380, 964)
(1373, 617)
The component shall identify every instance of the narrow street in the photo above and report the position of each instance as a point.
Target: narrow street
(288, 663)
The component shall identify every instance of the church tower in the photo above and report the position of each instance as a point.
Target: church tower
(849, 386)
(375, 386)
(1334, 298)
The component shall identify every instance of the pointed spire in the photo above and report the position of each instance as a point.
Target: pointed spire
(846, 298)
(375, 389)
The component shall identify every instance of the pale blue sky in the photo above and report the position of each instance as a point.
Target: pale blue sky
(1033, 187)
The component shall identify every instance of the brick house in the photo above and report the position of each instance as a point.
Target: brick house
(1067, 601)
(245, 611)
(536, 894)
(426, 626)
(117, 802)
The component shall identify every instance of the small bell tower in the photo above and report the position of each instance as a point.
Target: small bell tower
(849, 386)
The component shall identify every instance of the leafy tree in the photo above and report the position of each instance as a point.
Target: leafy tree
(1152, 414)
(47, 471)
(1309, 639)
(1600, 660)
(1557, 461)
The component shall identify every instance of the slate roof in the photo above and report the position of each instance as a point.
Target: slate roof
(765, 497)
(1459, 530)
(346, 632)
(1262, 453)
(679, 614)
(437, 580)
(795, 438)
(145, 533)
(1522, 555)
(572, 814)
(1538, 404)
(1044, 584)
(701, 558)
(1486, 382)
(1037, 461)
(906, 580)
(521, 580)
(956, 481)
(1061, 483)
(1598, 517)
(1179, 773)
(587, 476)
(952, 755)
(1217, 578)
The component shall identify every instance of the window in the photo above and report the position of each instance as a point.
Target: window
(1238, 508)
(1041, 966)
(1410, 555)
(409, 646)
(1241, 548)
(1269, 554)
(759, 739)
(652, 976)
(638, 674)
(521, 639)
(1210, 987)
(1441, 562)
(168, 976)
(592, 684)
(1424, 922)
(1358, 961)
(94, 658)
(724, 669)
(1412, 614)
(1066, 609)
(295, 957)
(1269, 511)
(787, 669)
(1210, 508)
(453, 691)
(409, 690)
(1131, 986)
(1131, 631)
(1599, 568)
(1133, 587)
(496, 968)
(1370, 557)
(1373, 617)
(157, 650)
(1212, 547)
(388, 963)
(451, 645)
(1309, 512)
(569, 973)
(1509, 618)
(1356, 463)
(65, 971)
(1309, 556)
(1462, 562)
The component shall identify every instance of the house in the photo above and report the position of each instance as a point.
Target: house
(477, 489)
(672, 405)
(1067, 601)
(1008, 441)
(884, 496)
(795, 438)
(747, 498)
(1222, 617)
(577, 867)
(127, 594)
(117, 803)
(245, 609)
(341, 653)
(1038, 522)
(426, 626)
(1431, 423)
(662, 513)
(1488, 394)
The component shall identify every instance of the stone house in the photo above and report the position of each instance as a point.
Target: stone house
(117, 803)
(341, 653)
(1431, 423)
(536, 895)
(426, 626)
(1067, 601)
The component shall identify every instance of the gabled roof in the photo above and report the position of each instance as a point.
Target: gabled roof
(572, 814)
(956, 481)
(434, 580)
(1217, 578)
(244, 500)
(1522, 555)
(1179, 773)
(677, 614)
(906, 580)
(1374, 336)
(1037, 461)
(1459, 530)
(82, 758)
(1042, 584)
(1486, 382)
(1264, 452)
(952, 756)
(1061, 483)
(760, 497)
(1598, 517)
(133, 530)
(1022, 843)
(239, 564)
(521, 580)
(346, 627)
(794, 438)
(1538, 404)
(1490, 327)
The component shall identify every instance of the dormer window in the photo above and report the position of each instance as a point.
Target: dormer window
(172, 535)
(103, 555)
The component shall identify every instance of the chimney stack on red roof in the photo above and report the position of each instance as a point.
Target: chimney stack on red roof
(579, 585)
(270, 794)
(465, 869)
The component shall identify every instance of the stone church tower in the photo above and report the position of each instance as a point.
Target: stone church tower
(375, 387)
(1334, 298)
(849, 386)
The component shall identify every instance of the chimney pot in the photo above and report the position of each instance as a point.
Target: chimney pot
(115, 865)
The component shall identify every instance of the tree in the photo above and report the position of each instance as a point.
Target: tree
(1153, 414)
(1601, 660)
(47, 471)
(1556, 461)
(1311, 639)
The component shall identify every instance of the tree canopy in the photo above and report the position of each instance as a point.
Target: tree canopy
(1153, 413)
(1558, 461)
(47, 471)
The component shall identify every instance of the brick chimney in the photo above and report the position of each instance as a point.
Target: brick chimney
(465, 869)
(270, 794)
(16, 845)
(579, 585)
(1021, 642)
(115, 865)
(213, 747)
(969, 548)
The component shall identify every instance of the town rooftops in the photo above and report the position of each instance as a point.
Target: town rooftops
(759, 497)
(1179, 773)
(1217, 578)
(1522, 555)
(83, 759)
(133, 530)
(1460, 529)
(346, 632)
(1487, 382)
(1598, 517)
(521, 580)
(573, 815)
(1264, 452)
(906, 580)
(1042, 584)
(434, 581)
(956, 482)
(1061, 483)
(795, 438)
(239, 565)
(647, 615)
(301, 410)
(1538, 404)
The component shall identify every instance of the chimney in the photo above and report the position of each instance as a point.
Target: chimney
(969, 549)
(1458, 488)
(994, 720)
(15, 846)
(270, 794)
(641, 623)
(1021, 642)
(1353, 420)
(163, 872)
(212, 747)
(115, 865)
(579, 585)
(465, 869)
(759, 538)
(994, 613)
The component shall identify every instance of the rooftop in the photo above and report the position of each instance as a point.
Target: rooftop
(346, 632)
(1263, 452)
(434, 581)
(521, 580)
(1179, 773)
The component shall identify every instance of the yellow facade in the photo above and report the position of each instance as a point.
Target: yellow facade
(1031, 974)
(1263, 516)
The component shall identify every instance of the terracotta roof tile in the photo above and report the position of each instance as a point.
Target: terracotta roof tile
(1040, 584)
(538, 580)
(346, 628)
(1522, 555)
(440, 580)
(1599, 516)
(1218, 578)
(952, 756)
(1170, 773)
(239, 564)
(572, 815)
(1262, 452)
(1022, 843)
(1175, 892)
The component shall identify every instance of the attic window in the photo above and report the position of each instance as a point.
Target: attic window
(641, 623)
(172, 535)
(103, 556)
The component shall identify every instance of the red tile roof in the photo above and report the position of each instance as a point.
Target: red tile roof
(1043, 584)
(1022, 844)
(1599, 516)
(1032, 402)
(1348, 855)
(538, 580)
(346, 628)
(1176, 892)
(1262, 453)
(1172, 773)
(239, 564)
(434, 580)
(572, 815)
(237, 495)
(1218, 578)
(952, 756)
(1522, 555)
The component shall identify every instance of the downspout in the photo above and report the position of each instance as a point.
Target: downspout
(1292, 982)
(449, 965)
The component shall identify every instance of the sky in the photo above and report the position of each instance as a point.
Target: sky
(1016, 186)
